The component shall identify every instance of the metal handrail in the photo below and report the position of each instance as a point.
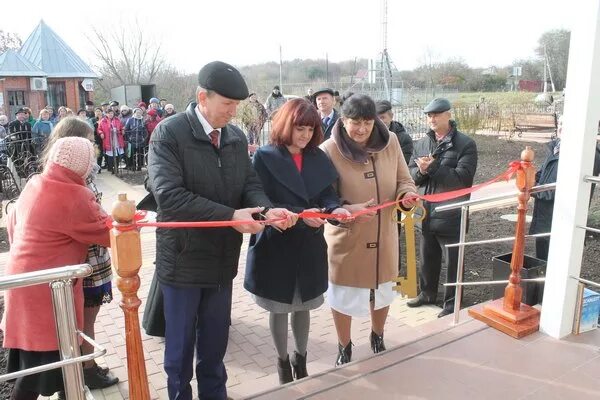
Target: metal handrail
(464, 206)
(63, 304)
(498, 240)
(59, 364)
(587, 282)
(489, 199)
(591, 178)
(44, 276)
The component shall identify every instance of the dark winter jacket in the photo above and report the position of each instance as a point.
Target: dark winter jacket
(543, 206)
(454, 165)
(193, 181)
(135, 131)
(278, 261)
(327, 128)
(406, 142)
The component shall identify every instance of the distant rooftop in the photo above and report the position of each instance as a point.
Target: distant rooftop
(47, 51)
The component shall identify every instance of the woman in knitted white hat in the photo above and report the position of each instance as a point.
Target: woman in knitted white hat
(52, 224)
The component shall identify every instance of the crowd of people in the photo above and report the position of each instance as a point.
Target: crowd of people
(121, 133)
(333, 157)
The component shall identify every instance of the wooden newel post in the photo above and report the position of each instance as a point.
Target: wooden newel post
(508, 314)
(127, 260)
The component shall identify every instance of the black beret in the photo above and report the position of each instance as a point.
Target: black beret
(383, 106)
(223, 79)
(323, 90)
(114, 103)
(437, 106)
(21, 110)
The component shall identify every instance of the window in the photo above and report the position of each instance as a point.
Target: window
(56, 94)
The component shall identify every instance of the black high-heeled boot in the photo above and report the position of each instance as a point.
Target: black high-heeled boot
(377, 344)
(299, 365)
(284, 369)
(344, 354)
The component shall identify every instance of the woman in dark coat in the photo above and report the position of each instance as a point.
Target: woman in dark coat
(287, 271)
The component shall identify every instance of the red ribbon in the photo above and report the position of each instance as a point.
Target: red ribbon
(514, 166)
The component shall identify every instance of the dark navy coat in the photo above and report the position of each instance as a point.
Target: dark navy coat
(277, 260)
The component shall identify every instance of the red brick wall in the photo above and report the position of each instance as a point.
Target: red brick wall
(36, 100)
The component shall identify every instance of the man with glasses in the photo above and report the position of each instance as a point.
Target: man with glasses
(444, 160)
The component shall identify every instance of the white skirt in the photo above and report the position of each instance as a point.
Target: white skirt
(355, 301)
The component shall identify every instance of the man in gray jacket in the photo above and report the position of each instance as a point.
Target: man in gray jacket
(444, 160)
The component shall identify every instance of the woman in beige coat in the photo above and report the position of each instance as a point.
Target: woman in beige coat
(363, 254)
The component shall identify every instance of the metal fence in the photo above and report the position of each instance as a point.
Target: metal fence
(483, 116)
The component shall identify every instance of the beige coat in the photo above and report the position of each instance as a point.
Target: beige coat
(364, 255)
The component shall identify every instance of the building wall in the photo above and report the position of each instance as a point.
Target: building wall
(36, 99)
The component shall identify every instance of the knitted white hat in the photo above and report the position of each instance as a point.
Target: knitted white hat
(74, 153)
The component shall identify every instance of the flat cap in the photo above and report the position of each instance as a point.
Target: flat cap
(114, 103)
(437, 106)
(223, 79)
(323, 90)
(21, 110)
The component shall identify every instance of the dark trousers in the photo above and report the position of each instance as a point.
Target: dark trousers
(542, 246)
(200, 318)
(432, 248)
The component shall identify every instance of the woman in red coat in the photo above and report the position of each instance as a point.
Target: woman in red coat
(53, 223)
(110, 131)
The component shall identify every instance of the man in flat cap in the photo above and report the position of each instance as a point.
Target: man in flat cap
(386, 115)
(325, 101)
(199, 170)
(444, 160)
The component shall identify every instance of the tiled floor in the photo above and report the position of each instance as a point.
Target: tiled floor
(472, 361)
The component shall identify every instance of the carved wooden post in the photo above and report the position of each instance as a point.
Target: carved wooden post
(127, 260)
(508, 314)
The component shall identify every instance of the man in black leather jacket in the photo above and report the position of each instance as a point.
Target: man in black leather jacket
(444, 160)
(199, 170)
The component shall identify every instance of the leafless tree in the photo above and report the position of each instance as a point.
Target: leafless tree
(9, 40)
(126, 55)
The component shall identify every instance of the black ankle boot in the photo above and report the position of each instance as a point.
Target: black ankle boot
(344, 354)
(377, 344)
(284, 369)
(299, 365)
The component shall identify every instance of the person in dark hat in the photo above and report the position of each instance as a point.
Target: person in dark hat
(199, 170)
(274, 101)
(104, 106)
(325, 101)
(444, 160)
(114, 105)
(20, 126)
(89, 109)
(386, 115)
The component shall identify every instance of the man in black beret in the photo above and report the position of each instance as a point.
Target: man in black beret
(324, 98)
(444, 160)
(199, 170)
(114, 105)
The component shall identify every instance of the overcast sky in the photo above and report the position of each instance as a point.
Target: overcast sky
(243, 32)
